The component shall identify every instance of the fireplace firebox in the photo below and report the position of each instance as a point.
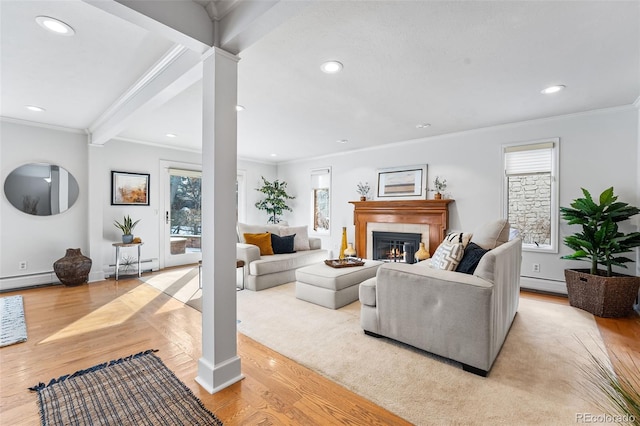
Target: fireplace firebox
(395, 246)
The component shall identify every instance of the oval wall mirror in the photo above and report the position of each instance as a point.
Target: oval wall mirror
(41, 189)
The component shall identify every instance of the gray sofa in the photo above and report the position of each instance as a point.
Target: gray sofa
(262, 272)
(456, 315)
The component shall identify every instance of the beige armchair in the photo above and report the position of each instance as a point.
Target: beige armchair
(461, 316)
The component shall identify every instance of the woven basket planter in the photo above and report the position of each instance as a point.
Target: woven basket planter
(609, 297)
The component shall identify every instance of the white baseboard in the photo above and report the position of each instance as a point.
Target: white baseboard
(31, 280)
(539, 284)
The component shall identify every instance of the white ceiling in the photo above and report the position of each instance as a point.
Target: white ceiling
(456, 65)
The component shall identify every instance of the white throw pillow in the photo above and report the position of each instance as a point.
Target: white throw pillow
(492, 234)
(243, 228)
(301, 240)
(447, 256)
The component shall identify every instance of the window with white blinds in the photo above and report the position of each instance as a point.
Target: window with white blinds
(530, 193)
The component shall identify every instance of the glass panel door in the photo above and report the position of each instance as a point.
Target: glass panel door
(183, 218)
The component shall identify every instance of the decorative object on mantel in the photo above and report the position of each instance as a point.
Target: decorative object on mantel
(422, 253)
(603, 293)
(403, 183)
(343, 263)
(440, 187)
(275, 201)
(126, 227)
(72, 269)
(363, 189)
(343, 245)
(350, 251)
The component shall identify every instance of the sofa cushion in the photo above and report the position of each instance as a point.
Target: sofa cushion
(458, 237)
(472, 255)
(301, 240)
(447, 256)
(492, 234)
(243, 228)
(282, 244)
(286, 262)
(263, 241)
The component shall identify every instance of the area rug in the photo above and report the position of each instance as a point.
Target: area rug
(13, 328)
(136, 390)
(535, 379)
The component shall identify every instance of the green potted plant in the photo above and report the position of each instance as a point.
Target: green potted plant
(363, 189)
(441, 186)
(275, 201)
(602, 292)
(126, 227)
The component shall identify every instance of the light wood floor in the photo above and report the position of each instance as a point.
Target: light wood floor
(75, 328)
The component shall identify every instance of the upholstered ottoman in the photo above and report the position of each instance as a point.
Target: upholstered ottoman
(332, 287)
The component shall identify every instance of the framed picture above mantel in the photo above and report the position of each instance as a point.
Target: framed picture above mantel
(403, 183)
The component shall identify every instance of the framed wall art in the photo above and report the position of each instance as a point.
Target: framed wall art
(403, 183)
(129, 189)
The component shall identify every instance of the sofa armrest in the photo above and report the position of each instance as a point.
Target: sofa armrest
(315, 243)
(247, 252)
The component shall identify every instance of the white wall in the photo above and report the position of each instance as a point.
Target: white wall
(253, 173)
(40, 240)
(597, 150)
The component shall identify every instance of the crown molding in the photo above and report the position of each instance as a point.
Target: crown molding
(395, 145)
(42, 125)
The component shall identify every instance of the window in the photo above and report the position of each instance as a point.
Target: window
(321, 199)
(530, 193)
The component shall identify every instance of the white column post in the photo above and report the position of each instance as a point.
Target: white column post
(219, 365)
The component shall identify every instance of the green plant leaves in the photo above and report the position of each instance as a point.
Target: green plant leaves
(600, 239)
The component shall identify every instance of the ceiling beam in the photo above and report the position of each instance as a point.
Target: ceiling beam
(251, 20)
(183, 22)
(175, 72)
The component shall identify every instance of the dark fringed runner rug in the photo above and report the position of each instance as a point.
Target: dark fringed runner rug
(136, 390)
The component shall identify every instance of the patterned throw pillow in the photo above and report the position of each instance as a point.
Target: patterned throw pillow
(458, 237)
(263, 241)
(447, 256)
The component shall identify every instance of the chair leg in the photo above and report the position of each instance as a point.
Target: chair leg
(474, 370)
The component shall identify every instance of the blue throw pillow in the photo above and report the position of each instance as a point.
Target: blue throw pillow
(472, 255)
(282, 244)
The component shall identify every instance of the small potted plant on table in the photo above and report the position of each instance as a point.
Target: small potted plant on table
(363, 189)
(602, 292)
(126, 227)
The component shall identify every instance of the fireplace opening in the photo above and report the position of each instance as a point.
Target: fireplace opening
(395, 246)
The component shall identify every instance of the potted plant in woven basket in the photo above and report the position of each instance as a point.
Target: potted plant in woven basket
(602, 292)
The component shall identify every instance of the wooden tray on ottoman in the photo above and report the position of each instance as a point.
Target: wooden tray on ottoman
(343, 263)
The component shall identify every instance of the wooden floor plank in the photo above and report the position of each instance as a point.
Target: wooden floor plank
(72, 328)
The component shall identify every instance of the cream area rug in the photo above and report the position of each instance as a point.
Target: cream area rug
(534, 381)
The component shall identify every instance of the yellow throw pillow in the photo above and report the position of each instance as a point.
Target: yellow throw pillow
(263, 241)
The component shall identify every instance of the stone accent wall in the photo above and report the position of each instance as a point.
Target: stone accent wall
(530, 207)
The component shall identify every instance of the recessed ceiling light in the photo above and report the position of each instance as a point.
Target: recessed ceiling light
(239, 108)
(331, 67)
(423, 126)
(553, 89)
(171, 135)
(274, 155)
(35, 108)
(55, 25)
(342, 140)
